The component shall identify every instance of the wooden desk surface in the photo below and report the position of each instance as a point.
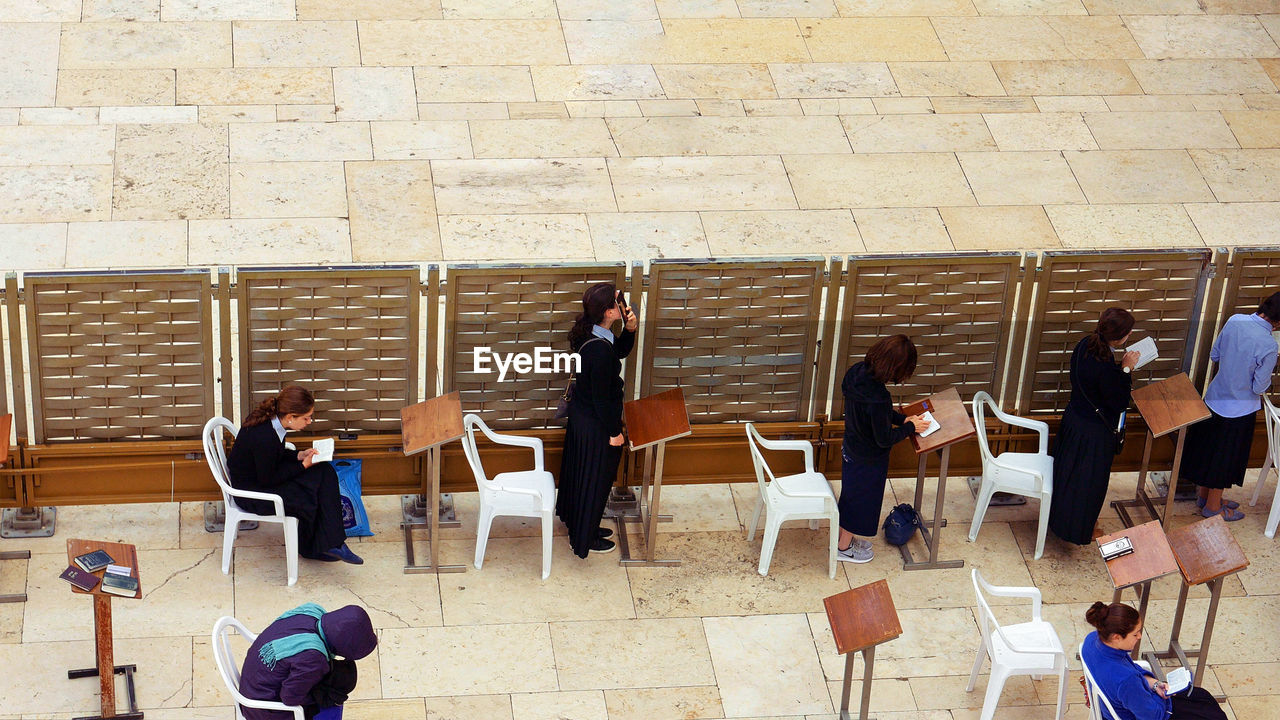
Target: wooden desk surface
(655, 418)
(6, 424)
(431, 422)
(862, 617)
(948, 409)
(1151, 557)
(1170, 404)
(121, 553)
(1206, 550)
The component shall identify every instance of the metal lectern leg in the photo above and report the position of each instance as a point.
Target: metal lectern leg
(930, 532)
(431, 520)
(868, 661)
(648, 515)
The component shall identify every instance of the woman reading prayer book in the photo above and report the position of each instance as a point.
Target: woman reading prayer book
(259, 461)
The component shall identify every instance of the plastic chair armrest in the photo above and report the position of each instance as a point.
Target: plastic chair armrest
(802, 445)
(522, 491)
(1038, 425)
(533, 443)
(1032, 594)
(254, 495)
(802, 494)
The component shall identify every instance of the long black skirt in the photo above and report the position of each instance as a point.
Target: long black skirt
(587, 471)
(1082, 459)
(862, 494)
(1217, 451)
(1195, 705)
(314, 499)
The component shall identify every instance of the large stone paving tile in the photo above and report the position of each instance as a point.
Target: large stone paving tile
(1123, 226)
(902, 230)
(542, 138)
(581, 704)
(522, 185)
(1231, 224)
(1255, 129)
(296, 44)
(781, 232)
(595, 82)
(279, 189)
(668, 652)
(1241, 175)
(134, 86)
(915, 8)
(145, 45)
(999, 228)
(1035, 38)
(1020, 178)
(917, 133)
(368, 9)
(691, 703)
(421, 140)
(1067, 77)
(766, 665)
(33, 246)
(168, 171)
(1040, 131)
(719, 574)
(564, 236)
(163, 678)
(122, 244)
(878, 180)
(831, 79)
(711, 80)
(55, 193)
(635, 236)
(1157, 130)
(1201, 76)
(29, 51)
(462, 42)
(228, 10)
(875, 39)
(681, 40)
(464, 83)
(392, 211)
(727, 136)
(1201, 36)
(57, 145)
(946, 78)
(701, 183)
(375, 93)
(484, 596)
(1138, 176)
(316, 141)
(268, 241)
(435, 661)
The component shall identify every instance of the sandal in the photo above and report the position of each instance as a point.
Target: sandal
(1225, 503)
(1227, 513)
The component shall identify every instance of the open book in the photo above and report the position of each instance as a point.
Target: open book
(324, 448)
(1178, 679)
(1146, 349)
(932, 424)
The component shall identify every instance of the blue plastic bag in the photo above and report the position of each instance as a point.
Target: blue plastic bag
(354, 519)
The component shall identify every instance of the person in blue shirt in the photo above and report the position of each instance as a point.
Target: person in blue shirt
(1217, 450)
(1131, 689)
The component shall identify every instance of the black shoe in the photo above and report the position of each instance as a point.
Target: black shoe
(322, 558)
(343, 553)
(603, 533)
(602, 546)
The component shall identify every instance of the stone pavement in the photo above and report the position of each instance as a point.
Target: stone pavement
(198, 132)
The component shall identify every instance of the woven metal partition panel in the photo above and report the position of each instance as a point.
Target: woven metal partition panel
(120, 356)
(957, 310)
(739, 338)
(1253, 276)
(349, 335)
(512, 309)
(1162, 289)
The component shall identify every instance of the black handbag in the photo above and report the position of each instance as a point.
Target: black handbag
(901, 524)
(566, 397)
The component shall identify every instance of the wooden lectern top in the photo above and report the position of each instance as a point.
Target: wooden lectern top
(122, 553)
(1151, 557)
(862, 617)
(6, 423)
(656, 418)
(1170, 404)
(954, 421)
(431, 422)
(1206, 550)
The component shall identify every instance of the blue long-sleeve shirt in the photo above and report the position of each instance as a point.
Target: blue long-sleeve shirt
(1123, 681)
(1246, 355)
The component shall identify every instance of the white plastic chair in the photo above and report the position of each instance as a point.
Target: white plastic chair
(524, 493)
(1098, 699)
(215, 454)
(229, 669)
(1271, 418)
(1029, 648)
(1029, 474)
(804, 496)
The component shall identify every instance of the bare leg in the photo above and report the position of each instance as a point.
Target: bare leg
(1212, 499)
(846, 538)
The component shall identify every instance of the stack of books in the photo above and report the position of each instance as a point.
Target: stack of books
(116, 579)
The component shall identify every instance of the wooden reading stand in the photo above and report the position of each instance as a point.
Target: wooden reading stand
(1168, 405)
(1206, 552)
(651, 422)
(6, 424)
(861, 619)
(106, 669)
(1151, 558)
(954, 425)
(425, 427)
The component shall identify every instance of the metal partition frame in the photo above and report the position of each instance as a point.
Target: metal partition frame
(514, 309)
(741, 338)
(1164, 289)
(957, 309)
(347, 334)
(120, 355)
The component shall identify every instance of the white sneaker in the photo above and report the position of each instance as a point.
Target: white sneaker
(859, 551)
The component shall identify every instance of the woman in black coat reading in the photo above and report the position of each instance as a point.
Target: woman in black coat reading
(259, 461)
(593, 440)
(1086, 442)
(871, 427)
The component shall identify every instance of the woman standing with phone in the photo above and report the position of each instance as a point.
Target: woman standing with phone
(593, 439)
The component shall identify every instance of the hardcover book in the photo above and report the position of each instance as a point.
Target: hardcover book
(120, 585)
(95, 560)
(79, 578)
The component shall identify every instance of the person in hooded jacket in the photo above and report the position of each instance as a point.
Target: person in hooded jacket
(307, 658)
(871, 427)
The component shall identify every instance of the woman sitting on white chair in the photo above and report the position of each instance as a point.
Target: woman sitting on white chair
(1132, 690)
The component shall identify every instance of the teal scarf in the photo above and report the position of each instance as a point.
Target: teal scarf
(291, 645)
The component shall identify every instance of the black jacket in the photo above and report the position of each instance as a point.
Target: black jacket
(1100, 383)
(598, 391)
(871, 425)
(259, 461)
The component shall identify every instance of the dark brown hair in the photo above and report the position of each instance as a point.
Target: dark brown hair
(596, 301)
(1114, 324)
(892, 359)
(1114, 619)
(1270, 308)
(293, 400)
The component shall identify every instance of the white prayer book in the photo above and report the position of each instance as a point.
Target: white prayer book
(1178, 679)
(933, 424)
(1146, 349)
(324, 448)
